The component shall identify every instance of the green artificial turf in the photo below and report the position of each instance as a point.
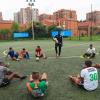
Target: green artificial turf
(60, 88)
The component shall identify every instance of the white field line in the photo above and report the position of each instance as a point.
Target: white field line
(60, 57)
(5, 52)
(65, 57)
(63, 47)
(53, 47)
(66, 47)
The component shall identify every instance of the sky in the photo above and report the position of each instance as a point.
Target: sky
(8, 7)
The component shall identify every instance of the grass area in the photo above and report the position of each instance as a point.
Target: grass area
(58, 70)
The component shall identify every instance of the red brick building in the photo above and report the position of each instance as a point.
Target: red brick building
(65, 19)
(46, 19)
(68, 24)
(92, 20)
(47, 22)
(84, 27)
(94, 17)
(63, 13)
(45, 16)
(6, 25)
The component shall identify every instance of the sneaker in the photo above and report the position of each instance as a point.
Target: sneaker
(56, 55)
(45, 57)
(88, 57)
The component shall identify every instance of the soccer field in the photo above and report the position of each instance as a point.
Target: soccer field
(60, 88)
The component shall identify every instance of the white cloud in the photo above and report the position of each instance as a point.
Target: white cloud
(8, 7)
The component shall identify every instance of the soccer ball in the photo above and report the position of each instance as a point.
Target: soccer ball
(37, 58)
(56, 41)
(18, 59)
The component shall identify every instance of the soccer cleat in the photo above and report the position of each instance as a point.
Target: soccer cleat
(56, 55)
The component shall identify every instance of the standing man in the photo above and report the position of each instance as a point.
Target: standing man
(58, 43)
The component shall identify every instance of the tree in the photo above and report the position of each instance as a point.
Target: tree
(95, 30)
(4, 34)
(15, 27)
(40, 30)
(53, 28)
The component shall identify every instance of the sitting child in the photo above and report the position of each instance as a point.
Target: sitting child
(6, 75)
(37, 84)
(24, 53)
(12, 54)
(90, 53)
(88, 78)
(38, 53)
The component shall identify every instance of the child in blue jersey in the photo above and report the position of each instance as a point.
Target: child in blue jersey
(12, 54)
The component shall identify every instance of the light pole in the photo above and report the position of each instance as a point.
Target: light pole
(91, 21)
(70, 23)
(91, 24)
(31, 4)
(64, 25)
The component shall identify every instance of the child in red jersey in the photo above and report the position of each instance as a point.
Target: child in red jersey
(38, 52)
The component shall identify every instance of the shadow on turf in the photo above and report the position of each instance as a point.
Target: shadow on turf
(30, 97)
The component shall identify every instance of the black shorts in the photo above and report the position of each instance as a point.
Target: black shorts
(5, 82)
(43, 80)
(81, 87)
(58, 44)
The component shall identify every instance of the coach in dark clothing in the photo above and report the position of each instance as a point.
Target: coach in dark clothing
(58, 43)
